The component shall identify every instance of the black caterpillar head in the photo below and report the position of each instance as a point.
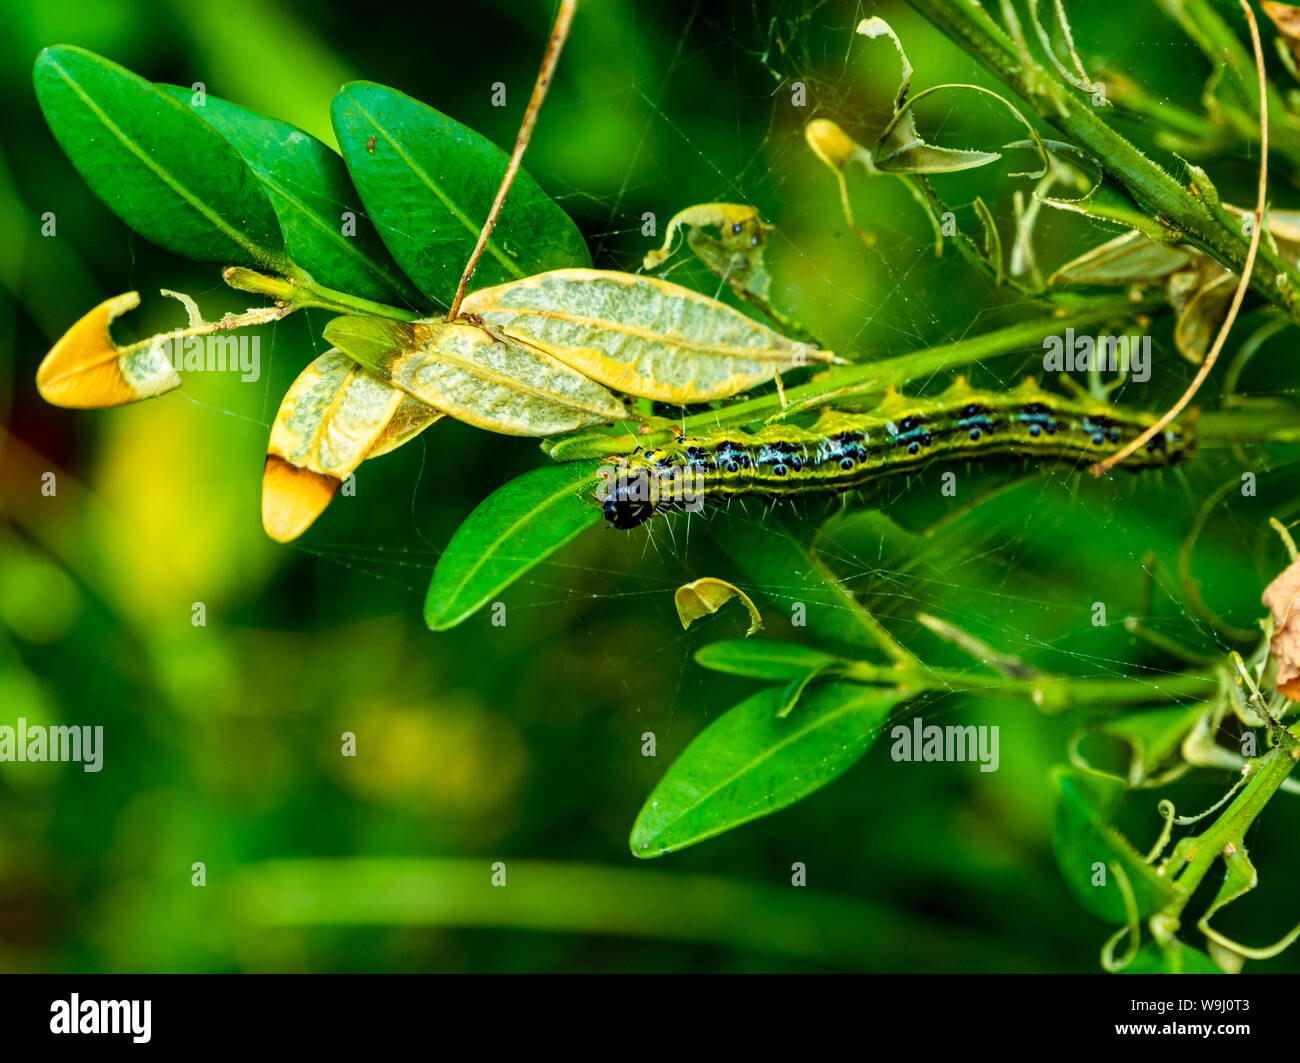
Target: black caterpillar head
(628, 502)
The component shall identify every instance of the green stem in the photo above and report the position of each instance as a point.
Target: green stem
(1054, 693)
(300, 290)
(1268, 773)
(1193, 210)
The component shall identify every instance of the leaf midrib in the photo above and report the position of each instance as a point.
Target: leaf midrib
(446, 201)
(835, 714)
(558, 496)
(259, 254)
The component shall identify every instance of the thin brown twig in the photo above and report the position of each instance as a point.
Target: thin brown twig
(559, 33)
(1242, 284)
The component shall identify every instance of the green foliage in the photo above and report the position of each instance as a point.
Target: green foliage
(899, 606)
(513, 529)
(750, 762)
(156, 164)
(427, 182)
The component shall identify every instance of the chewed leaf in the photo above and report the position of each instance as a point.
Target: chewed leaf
(1107, 204)
(1201, 310)
(1133, 258)
(750, 762)
(901, 149)
(410, 419)
(1282, 597)
(478, 377)
(334, 416)
(704, 597)
(735, 254)
(641, 335)
(512, 530)
(87, 370)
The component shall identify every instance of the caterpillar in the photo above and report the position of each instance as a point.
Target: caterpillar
(841, 451)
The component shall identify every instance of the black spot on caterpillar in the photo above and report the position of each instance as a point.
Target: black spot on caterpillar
(842, 451)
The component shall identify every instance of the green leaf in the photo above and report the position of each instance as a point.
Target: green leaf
(749, 763)
(514, 528)
(779, 565)
(311, 192)
(1107, 204)
(1180, 959)
(1153, 735)
(795, 689)
(1084, 838)
(762, 658)
(428, 183)
(155, 163)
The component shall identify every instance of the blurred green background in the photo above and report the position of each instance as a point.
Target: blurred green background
(523, 743)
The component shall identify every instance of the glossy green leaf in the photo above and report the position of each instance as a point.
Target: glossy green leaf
(1153, 735)
(749, 763)
(642, 335)
(477, 377)
(155, 163)
(514, 528)
(325, 230)
(1180, 959)
(796, 688)
(428, 183)
(779, 565)
(1085, 838)
(762, 658)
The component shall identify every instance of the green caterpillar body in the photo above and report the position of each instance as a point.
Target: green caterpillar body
(842, 451)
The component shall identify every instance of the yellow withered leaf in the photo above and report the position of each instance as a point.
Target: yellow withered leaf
(333, 417)
(1286, 18)
(641, 335)
(476, 376)
(410, 419)
(87, 370)
(706, 596)
(1282, 597)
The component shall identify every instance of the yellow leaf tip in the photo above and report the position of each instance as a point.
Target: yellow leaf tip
(86, 370)
(292, 498)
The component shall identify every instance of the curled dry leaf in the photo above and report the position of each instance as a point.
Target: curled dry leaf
(735, 254)
(1282, 597)
(640, 335)
(477, 376)
(87, 370)
(901, 148)
(706, 596)
(1286, 19)
(333, 417)
(1197, 287)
